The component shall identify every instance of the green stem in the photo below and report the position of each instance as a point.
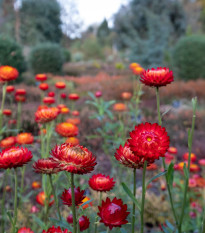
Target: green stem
(23, 169)
(190, 141)
(2, 104)
(15, 201)
(42, 142)
(133, 205)
(48, 137)
(19, 106)
(3, 200)
(143, 197)
(73, 204)
(47, 199)
(55, 197)
(163, 160)
(108, 230)
(96, 218)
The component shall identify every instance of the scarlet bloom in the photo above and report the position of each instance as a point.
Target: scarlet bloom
(149, 141)
(72, 140)
(8, 142)
(152, 167)
(36, 185)
(51, 94)
(63, 95)
(10, 89)
(14, 157)
(55, 230)
(202, 162)
(157, 77)
(83, 222)
(66, 129)
(126, 95)
(75, 113)
(48, 100)
(20, 92)
(193, 167)
(73, 96)
(75, 121)
(86, 199)
(172, 150)
(41, 197)
(127, 158)
(7, 112)
(186, 157)
(113, 213)
(64, 110)
(98, 94)
(24, 138)
(25, 230)
(20, 98)
(101, 183)
(74, 159)
(46, 166)
(119, 107)
(8, 73)
(41, 77)
(46, 115)
(67, 196)
(60, 85)
(43, 86)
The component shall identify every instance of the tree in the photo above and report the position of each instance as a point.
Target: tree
(103, 32)
(146, 28)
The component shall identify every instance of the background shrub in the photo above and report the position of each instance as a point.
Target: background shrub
(67, 55)
(188, 57)
(11, 54)
(47, 58)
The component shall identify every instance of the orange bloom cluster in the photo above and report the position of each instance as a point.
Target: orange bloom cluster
(136, 68)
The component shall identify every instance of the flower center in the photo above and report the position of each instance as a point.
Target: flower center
(149, 139)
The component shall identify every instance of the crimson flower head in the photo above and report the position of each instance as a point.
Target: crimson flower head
(46, 166)
(60, 85)
(20, 98)
(74, 159)
(41, 77)
(83, 222)
(10, 89)
(20, 92)
(75, 113)
(25, 230)
(41, 197)
(98, 94)
(48, 100)
(202, 162)
(149, 141)
(67, 196)
(63, 95)
(7, 112)
(8, 73)
(8, 142)
(14, 157)
(101, 183)
(43, 86)
(51, 94)
(73, 96)
(46, 115)
(157, 77)
(66, 129)
(24, 138)
(55, 230)
(186, 157)
(113, 213)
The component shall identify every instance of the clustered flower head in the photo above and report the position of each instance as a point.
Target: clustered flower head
(8, 73)
(83, 222)
(67, 196)
(66, 129)
(46, 115)
(24, 138)
(55, 230)
(46, 166)
(113, 213)
(8, 142)
(101, 183)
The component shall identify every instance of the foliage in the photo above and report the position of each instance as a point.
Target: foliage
(40, 21)
(47, 57)
(11, 54)
(188, 57)
(67, 55)
(103, 32)
(140, 31)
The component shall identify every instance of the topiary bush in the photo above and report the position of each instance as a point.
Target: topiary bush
(11, 54)
(189, 57)
(47, 58)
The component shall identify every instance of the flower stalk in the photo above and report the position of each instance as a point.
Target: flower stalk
(73, 204)
(133, 205)
(15, 201)
(2, 104)
(3, 200)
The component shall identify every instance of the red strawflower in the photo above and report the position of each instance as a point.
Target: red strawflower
(83, 222)
(51, 94)
(36, 185)
(46, 115)
(149, 141)
(14, 157)
(20, 98)
(186, 157)
(73, 96)
(55, 230)
(24, 138)
(60, 85)
(74, 121)
(73, 140)
(41, 197)
(8, 73)
(46, 166)
(41, 77)
(75, 113)
(113, 213)
(67, 196)
(66, 129)
(126, 157)
(7, 112)
(98, 94)
(43, 86)
(8, 142)
(152, 167)
(157, 77)
(63, 95)
(74, 159)
(101, 183)
(202, 162)
(172, 150)
(20, 92)
(25, 230)
(48, 100)
(10, 89)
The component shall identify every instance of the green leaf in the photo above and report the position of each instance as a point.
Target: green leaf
(62, 223)
(170, 225)
(39, 221)
(170, 173)
(10, 217)
(130, 194)
(155, 177)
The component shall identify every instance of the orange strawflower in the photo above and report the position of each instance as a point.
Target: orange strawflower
(72, 140)
(60, 85)
(43, 86)
(73, 96)
(119, 107)
(24, 138)
(8, 73)
(65, 110)
(8, 142)
(75, 121)
(41, 197)
(186, 157)
(126, 95)
(46, 115)
(66, 129)
(138, 70)
(36, 185)
(41, 77)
